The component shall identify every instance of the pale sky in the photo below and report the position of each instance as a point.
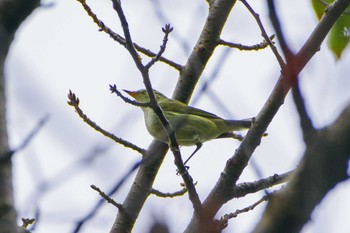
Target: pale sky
(59, 48)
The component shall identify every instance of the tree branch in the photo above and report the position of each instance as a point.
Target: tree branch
(240, 190)
(124, 222)
(235, 166)
(107, 198)
(255, 47)
(219, 11)
(173, 194)
(264, 33)
(12, 15)
(74, 102)
(115, 36)
(309, 132)
(229, 216)
(324, 165)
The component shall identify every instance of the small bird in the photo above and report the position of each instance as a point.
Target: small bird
(192, 126)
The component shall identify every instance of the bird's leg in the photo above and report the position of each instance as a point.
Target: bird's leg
(199, 145)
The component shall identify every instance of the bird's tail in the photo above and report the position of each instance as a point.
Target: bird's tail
(240, 124)
(236, 125)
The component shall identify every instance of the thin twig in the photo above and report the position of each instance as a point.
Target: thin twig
(223, 222)
(167, 29)
(226, 217)
(74, 102)
(164, 195)
(264, 34)
(113, 89)
(255, 47)
(115, 36)
(107, 198)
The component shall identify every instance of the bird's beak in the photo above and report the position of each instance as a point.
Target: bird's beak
(131, 93)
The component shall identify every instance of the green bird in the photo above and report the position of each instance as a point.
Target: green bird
(192, 126)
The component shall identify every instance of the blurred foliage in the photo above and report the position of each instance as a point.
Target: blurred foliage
(339, 36)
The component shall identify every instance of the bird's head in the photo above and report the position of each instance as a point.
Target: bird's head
(142, 95)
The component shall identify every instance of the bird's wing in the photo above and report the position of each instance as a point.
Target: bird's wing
(180, 108)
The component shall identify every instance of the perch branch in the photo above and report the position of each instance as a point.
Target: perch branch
(74, 102)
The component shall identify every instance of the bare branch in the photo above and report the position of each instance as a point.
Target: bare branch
(74, 102)
(226, 217)
(167, 29)
(107, 198)
(115, 36)
(144, 70)
(113, 89)
(239, 160)
(243, 189)
(100, 24)
(324, 165)
(264, 33)
(164, 195)
(255, 47)
(100, 202)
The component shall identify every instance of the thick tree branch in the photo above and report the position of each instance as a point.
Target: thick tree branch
(218, 13)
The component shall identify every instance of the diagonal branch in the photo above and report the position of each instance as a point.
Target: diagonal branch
(74, 102)
(239, 161)
(309, 132)
(324, 165)
(115, 36)
(226, 217)
(264, 33)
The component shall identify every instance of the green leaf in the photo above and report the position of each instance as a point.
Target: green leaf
(319, 7)
(339, 36)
